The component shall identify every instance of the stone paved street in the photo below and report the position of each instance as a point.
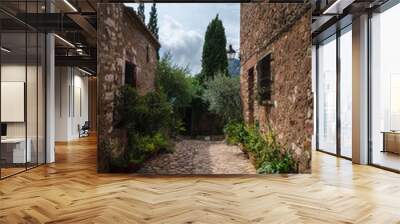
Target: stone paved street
(200, 157)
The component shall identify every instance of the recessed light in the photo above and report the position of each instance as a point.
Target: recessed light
(5, 50)
(84, 71)
(70, 5)
(338, 6)
(64, 40)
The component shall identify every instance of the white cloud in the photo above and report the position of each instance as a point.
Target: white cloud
(182, 28)
(184, 45)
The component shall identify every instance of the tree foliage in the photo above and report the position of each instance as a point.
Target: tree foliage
(223, 95)
(153, 21)
(270, 156)
(175, 82)
(141, 12)
(214, 58)
(148, 122)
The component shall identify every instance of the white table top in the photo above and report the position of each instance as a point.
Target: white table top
(13, 140)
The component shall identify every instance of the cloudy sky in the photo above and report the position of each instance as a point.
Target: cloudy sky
(182, 28)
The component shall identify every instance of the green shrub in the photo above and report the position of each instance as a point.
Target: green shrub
(148, 122)
(142, 147)
(158, 114)
(180, 89)
(270, 158)
(175, 81)
(235, 132)
(282, 163)
(222, 93)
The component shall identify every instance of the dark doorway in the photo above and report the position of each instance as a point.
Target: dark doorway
(130, 74)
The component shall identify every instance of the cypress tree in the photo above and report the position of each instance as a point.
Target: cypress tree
(141, 12)
(214, 58)
(152, 25)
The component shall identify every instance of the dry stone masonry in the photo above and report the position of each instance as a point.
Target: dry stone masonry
(122, 38)
(282, 30)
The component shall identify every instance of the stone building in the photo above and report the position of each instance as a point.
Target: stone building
(126, 54)
(276, 81)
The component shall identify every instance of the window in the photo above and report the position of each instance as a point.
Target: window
(264, 80)
(326, 136)
(250, 81)
(147, 54)
(385, 89)
(346, 74)
(130, 74)
(334, 99)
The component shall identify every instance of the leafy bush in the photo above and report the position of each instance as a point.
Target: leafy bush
(266, 150)
(282, 163)
(175, 82)
(150, 113)
(142, 147)
(157, 114)
(148, 122)
(223, 95)
(235, 132)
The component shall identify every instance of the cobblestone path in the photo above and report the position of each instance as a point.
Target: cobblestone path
(200, 157)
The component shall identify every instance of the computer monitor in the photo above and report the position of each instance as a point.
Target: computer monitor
(3, 129)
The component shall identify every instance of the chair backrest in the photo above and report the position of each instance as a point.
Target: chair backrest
(86, 124)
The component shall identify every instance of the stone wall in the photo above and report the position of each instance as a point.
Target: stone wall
(284, 31)
(122, 37)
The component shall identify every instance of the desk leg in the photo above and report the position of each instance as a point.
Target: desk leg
(384, 142)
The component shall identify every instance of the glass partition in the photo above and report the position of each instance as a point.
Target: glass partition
(41, 97)
(346, 92)
(385, 89)
(13, 94)
(22, 78)
(327, 95)
(31, 98)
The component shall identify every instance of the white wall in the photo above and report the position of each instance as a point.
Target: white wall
(62, 82)
(314, 90)
(12, 73)
(71, 102)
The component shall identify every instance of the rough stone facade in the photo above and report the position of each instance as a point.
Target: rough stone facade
(284, 31)
(122, 38)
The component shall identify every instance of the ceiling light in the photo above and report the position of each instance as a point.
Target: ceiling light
(338, 6)
(65, 41)
(5, 50)
(84, 71)
(70, 5)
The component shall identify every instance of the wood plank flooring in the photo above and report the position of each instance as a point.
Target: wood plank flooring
(70, 191)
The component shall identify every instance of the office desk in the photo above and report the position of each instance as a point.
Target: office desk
(13, 150)
(391, 141)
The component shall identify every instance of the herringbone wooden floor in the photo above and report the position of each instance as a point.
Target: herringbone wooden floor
(70, 191)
